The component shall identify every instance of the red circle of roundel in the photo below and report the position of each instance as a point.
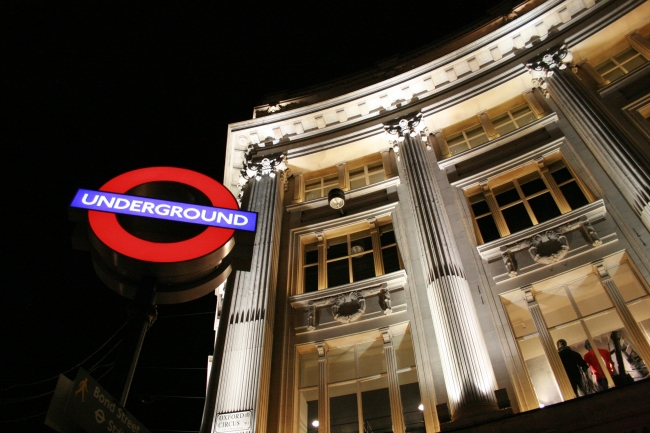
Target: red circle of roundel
(111, 233)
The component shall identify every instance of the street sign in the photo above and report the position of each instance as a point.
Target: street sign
(83, 405)
(234, 422)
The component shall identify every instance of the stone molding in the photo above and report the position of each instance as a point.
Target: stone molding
(258, 168)
(547, 63)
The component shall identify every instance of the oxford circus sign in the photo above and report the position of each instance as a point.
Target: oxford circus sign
(170, 226)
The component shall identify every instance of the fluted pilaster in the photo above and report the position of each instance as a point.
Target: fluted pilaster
(396, 411)
(245, 372)
(323, 390)
(467, 370)
(634, 330)
(554, 360)
(615, 151)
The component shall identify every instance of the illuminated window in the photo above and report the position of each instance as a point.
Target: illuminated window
(319, 187)
(524, 199)
(366, 174)
(512, 119)
(466, 139)
(620, 64)
(351, 257)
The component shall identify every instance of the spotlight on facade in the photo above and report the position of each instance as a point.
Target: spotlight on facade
(336, 198)
(421, 407)
(315, 423)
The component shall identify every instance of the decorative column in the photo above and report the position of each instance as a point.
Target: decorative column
(550, 349)
(637, 336)
(246, 364)
(626, 165)
(323, 390)
(467, 370)
(396, 411)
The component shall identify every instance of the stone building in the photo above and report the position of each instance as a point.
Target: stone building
(495, 193)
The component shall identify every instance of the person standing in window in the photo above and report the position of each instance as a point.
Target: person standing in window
(590, 358)
(574, 366)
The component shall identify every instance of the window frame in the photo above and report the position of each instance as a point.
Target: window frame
(619, 65)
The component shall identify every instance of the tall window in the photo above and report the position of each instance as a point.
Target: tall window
(577, 311)
(351, 257)
(620, 64)
(519, 201)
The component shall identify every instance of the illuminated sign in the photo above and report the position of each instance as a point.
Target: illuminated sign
(104, 224)
(166, 210)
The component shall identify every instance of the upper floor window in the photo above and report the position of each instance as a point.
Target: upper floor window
(621, 64)
(366, 174)
(531, 195)
(355, 256)
(470, 137)
(512, 119)
(319, 186)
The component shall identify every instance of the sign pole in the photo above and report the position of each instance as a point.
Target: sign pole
(142, 313)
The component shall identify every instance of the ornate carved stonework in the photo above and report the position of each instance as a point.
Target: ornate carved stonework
(256, 169)
(548, 248)
(408, 125)
(348, 307)
(547, 63)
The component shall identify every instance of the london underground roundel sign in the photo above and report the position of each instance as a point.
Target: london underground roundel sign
(221, 219)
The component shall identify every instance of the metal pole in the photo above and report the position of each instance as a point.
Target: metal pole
(142, 313)
(217, 358)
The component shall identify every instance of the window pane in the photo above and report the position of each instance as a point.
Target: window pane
(518, 313)
(332, 180)
(311, 253)
(356, 172)
(371, 358)
(506, 194)
(341, 364)
(601, 326)
(308, 401)
(560, 172)
(311, 279)
(338, 273)
(361, 239)
(503, 124)
(589, 295)
(635, 63)
(625, 55)
(308, 370)
(457, 143)
(517, 218)
(488, 228)
(540, 371)
(403, 346)
(605, 66)
(614, 75)
(641, 312)
(479, 205)
(575, 337)
(531, 183)
(363, 267)
(478, 140)
(387, 236)
(627, 282)
(337, 247)
(376, 177)
(312, 195)
(574, 195)
(375, 404)
(391, 259)
(410, 394)
(313, 183)
(357, 183)
(556, 306)
(344, 416)
(544, 207)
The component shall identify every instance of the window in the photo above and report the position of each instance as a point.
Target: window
(350, 257)
(366, 174)
(577, 311)
(319, 187)
(530, 196)
(620, 64)
(358, 385)
(466, 139)
(512, 119)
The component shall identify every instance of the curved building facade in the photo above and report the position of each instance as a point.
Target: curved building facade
(495, 196)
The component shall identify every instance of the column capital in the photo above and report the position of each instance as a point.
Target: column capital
(259, 167)
(599, 268)
(385, 335)
(528, 295)
(321, 347)
(547, 63)
(410, 124)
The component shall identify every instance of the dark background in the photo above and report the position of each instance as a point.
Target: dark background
(92, 89)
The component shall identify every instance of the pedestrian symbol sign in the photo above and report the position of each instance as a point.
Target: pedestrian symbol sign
(83, 405)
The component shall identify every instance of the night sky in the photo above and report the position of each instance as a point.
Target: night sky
(94, 89)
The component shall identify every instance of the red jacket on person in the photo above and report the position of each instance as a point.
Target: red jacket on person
(590, 358)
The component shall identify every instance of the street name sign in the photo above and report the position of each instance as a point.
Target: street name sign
(234, 422)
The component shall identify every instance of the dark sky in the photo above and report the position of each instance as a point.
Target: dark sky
(94, 89)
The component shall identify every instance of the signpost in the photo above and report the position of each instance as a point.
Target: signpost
(83, 405)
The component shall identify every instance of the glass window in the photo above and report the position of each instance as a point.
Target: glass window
(320, 186)
(366, 174)
(620, 64)
(344, 411)
(351, 257)
(523, 202)
(375, 405)
(411, 402)
(466, 139)
(512, 119)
